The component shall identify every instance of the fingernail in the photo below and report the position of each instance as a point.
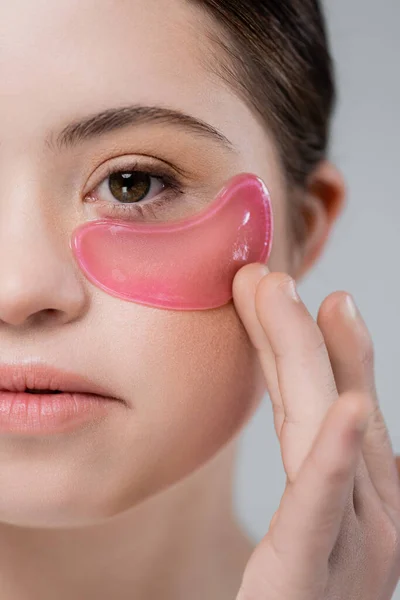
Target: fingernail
(350, 308)
(290, 289)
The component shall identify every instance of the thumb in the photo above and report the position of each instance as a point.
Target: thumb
(398, 464)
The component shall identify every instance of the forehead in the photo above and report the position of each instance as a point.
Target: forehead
(85, 55)
(95, 27)
(61, 61)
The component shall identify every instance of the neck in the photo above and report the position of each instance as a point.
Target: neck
(182, 543)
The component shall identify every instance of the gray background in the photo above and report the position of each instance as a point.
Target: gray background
(362, 256)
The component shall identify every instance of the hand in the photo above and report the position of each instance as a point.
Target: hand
(336, 532)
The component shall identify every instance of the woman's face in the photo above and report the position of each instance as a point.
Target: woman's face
(189, 380)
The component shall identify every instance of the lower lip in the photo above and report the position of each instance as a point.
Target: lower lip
(21, 412)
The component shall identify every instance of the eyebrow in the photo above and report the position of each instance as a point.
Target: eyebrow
(113, 119)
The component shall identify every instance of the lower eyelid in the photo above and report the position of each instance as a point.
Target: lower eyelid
(143, 208)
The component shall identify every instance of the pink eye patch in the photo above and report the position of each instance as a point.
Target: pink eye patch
(181, 265)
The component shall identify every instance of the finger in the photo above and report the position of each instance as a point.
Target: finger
(244, 289)
(308, 522)
(351, 352)
(306, 381)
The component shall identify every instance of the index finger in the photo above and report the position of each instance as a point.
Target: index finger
(306, 379)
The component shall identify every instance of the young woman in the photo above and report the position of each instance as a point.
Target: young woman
(108, 106)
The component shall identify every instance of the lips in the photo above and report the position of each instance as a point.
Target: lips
(40, 378)
(37, 399)
(29, 391)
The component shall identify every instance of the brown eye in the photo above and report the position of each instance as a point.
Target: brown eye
(129, 187)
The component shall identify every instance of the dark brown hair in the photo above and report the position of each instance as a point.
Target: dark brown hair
(280, 64)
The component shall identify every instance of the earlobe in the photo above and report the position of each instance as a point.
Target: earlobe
(323, 204)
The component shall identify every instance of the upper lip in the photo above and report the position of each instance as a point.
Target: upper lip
(19, 377)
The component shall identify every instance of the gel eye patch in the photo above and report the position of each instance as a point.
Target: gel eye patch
(186, 264)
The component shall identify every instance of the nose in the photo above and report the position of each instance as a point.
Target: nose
(39, 281)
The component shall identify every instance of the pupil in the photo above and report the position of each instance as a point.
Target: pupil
(129, 187)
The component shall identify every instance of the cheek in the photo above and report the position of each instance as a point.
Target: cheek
(207, 382)
(193, 385)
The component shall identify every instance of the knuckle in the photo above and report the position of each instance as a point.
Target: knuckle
(391, 535)
(338, 474)
(331, 388)
(313, 342)
(367, 356)
(378, 423)
(329, 469)
(320, 345)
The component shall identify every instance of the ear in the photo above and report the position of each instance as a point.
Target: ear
(324, 201)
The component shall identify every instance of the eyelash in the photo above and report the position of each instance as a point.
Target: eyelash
(172, 188)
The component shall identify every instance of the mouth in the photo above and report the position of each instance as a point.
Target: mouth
(40, 378)
(78, 401)
(33, 391)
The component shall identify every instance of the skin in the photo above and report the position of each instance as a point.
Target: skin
(142, 500)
